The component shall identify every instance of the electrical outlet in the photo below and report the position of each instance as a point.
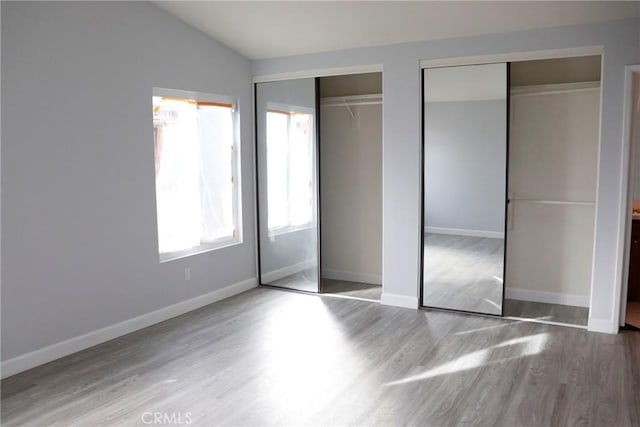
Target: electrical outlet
(187, 274)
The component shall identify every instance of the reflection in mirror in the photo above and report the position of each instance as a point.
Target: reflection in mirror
(287, 184)
(465, 149)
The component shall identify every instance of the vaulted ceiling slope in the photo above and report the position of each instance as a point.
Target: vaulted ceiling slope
(266, 29)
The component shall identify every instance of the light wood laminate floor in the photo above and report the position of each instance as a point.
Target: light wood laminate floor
(269, 357)
(566, 314)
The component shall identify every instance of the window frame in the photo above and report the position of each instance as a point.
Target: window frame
(289, 110)
(237, 237)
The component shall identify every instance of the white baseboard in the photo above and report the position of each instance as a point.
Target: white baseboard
(90, 339)
(547, 297)
(288, 270)
(351, 276)
(606, 326)
(465, 232)
(399, 300)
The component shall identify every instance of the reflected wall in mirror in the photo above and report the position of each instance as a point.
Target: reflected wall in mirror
(287, 184)
(465, 161)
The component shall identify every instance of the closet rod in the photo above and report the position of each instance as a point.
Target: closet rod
(344, 101)
(554, 202)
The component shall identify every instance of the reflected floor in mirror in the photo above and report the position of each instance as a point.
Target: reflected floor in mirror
(306, 280)
(463, 272)
(547, 312)
(352, 289)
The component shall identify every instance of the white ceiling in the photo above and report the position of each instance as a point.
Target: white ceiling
(266, 29)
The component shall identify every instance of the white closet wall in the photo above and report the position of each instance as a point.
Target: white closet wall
(552, 184)
(351, 183)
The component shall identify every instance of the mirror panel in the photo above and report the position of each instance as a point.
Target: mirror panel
(465, 174)
(286, 156)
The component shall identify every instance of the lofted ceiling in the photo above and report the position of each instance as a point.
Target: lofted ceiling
(268, 29)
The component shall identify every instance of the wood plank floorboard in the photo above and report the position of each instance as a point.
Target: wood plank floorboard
(570, 315)
(268, 357)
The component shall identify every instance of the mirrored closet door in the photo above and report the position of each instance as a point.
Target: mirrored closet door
(465, 181)
(287, 182)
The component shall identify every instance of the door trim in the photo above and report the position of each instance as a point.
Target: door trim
(628, 188)
(322, 72)
(513, 56)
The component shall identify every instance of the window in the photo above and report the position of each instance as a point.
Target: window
(290, 168)
(195, 141)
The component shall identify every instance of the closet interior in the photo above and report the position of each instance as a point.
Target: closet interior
(553, 159)
(351, 184)
(510, 168)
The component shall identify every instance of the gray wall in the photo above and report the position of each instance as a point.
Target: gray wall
(401, 146)
(465, 164)
(79, 243)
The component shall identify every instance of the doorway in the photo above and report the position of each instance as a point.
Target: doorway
(553, 156)
(630, 313)
(351, 185)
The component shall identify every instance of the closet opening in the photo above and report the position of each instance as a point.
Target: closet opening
(319, 184)
(509, 188)
(553, 160)
(350, 146)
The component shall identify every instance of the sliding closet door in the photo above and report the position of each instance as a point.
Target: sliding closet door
(287, 180)
(465, 181)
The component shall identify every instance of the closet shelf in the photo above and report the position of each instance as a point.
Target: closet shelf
(550, 89)
(347, 101)
(554, 202)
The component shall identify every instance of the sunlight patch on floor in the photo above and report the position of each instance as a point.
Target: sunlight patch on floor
(528, 346)
(302, 341)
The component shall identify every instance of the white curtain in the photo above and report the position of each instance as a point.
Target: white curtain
(194, 189)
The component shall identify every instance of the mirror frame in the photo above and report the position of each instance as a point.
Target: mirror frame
(421, 302)
(256, 169)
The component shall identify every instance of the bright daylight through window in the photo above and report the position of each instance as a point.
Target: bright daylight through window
(289, 169)
(195, 141)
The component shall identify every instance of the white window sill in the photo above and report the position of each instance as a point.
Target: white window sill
(289, 229)
(205, 247)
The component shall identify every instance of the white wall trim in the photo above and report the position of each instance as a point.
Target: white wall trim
(399, 300)
(606, 326)
(513, 56)
(547, 297)
(47, 354)
(464, 232)
(352, 276)
(287, 270)
(322, 72)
